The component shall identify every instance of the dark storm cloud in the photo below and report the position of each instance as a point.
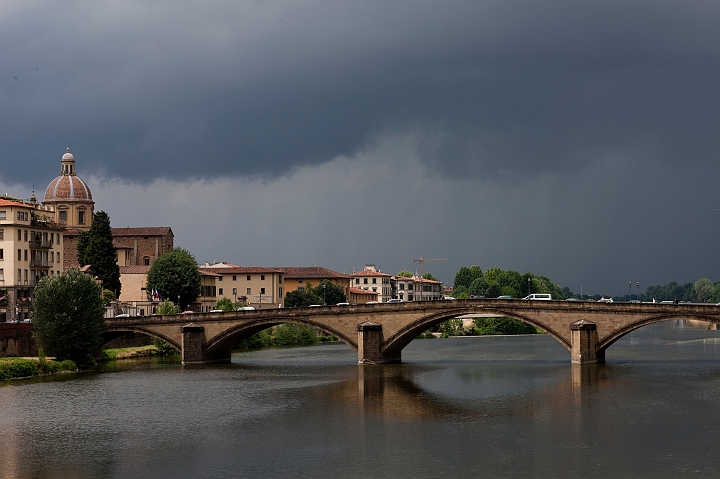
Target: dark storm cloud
(499, 89)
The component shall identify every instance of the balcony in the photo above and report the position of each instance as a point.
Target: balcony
(40, 244)
(39, 263)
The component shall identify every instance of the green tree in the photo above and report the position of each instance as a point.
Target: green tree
(225, 304)
(328, 292)
(175, 275)
(166, 307)
(465, 276)
(703, 289)
(108, 297)
(504, 325)
(68, 315)
(405, 274)
(95, 247)
(430, 276)
(299, 299)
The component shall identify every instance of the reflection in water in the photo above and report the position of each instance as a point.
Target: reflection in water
(466, 407)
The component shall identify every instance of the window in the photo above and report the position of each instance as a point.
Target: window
(58, 238)
(249, 291)
(58, 256)
(248, 277)
(374, 280)
(364, 280)
(220, 278)
(25, 236)
(301, 288)
(357, 280)
(234, 290)
(410, 288)
(280, 292)
(2, 275)
(22, 215)
(220, 291)
(1, 254)
(63, 216)
(81, 217)
(375, 289)
(3, 215)
(19, 276)
(2, 234)
(19, 235)
(234, 278)
(146, 260)
(262, 277)
(262, 290)
(25, 255)
(402, 285)
(19, 255)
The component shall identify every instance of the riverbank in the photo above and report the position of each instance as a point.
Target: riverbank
(134, 352)
(14, 368)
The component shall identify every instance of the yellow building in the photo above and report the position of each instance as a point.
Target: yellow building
(298, 277)
(257, 286)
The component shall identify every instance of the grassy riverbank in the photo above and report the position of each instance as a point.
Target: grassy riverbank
(11, 368)
(137, 352)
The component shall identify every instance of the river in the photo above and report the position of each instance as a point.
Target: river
(459, 407)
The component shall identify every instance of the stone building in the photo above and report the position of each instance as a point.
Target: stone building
(372, 279)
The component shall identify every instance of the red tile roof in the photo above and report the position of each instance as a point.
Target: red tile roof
(240, 270)
(4, 202)
(363, 291)
(147, 231)
(369, 273)
(315, 272)
(135, 269)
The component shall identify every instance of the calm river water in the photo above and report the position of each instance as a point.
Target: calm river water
(460, 407)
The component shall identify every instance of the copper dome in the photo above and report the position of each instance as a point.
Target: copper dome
(67, 186)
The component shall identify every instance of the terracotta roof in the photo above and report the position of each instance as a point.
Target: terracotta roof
(147, 231)
(209, 273)
(240, 270)
(369, 273)
(363, 291)
(415, 279)
(4, 202)
(68, 188)
(135, 269)
(303, 272)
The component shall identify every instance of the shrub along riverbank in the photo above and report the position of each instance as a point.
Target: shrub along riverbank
(22, 368)
(287, 334)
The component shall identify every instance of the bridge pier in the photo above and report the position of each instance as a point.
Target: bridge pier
(584, 340)
(370, 341)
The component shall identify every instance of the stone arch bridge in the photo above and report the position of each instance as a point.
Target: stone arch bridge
(379, 332)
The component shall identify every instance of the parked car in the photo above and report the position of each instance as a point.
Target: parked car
(504, 297)
(246, 308)
(124, 315)
(372, 302)
(605, 300)
(343, 304)
(395, 300)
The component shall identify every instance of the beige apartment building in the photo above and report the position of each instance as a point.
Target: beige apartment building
(259, 287)
(31, 245)
(298, 277)
(415, 289)
(372, 279)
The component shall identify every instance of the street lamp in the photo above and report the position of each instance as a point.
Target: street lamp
(638, 290)
(529, 290)
(630, 286)
(581, 295)
(324, 299)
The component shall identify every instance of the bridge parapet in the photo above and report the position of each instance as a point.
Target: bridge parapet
(379, 332)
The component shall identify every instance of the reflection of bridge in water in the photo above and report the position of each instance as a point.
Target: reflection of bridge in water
(379, 332)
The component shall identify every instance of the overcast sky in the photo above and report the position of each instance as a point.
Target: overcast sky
(579, 140)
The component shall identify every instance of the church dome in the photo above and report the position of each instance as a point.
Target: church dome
(67, 186)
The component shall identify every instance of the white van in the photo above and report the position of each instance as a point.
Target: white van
(540, 296)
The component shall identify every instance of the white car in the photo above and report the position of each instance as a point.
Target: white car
(605, 300)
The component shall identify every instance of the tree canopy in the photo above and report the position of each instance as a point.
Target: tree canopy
(298, 299)
(405, 274)
(465, 276)
(175, 276)
(329, 293)
(68, 316)
(225, 304)
(95, 247)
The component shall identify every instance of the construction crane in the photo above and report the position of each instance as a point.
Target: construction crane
(421, 260)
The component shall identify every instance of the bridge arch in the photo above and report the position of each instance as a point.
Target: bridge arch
(221, 345)
(395, 343)
(606, 342)
(111, 333)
